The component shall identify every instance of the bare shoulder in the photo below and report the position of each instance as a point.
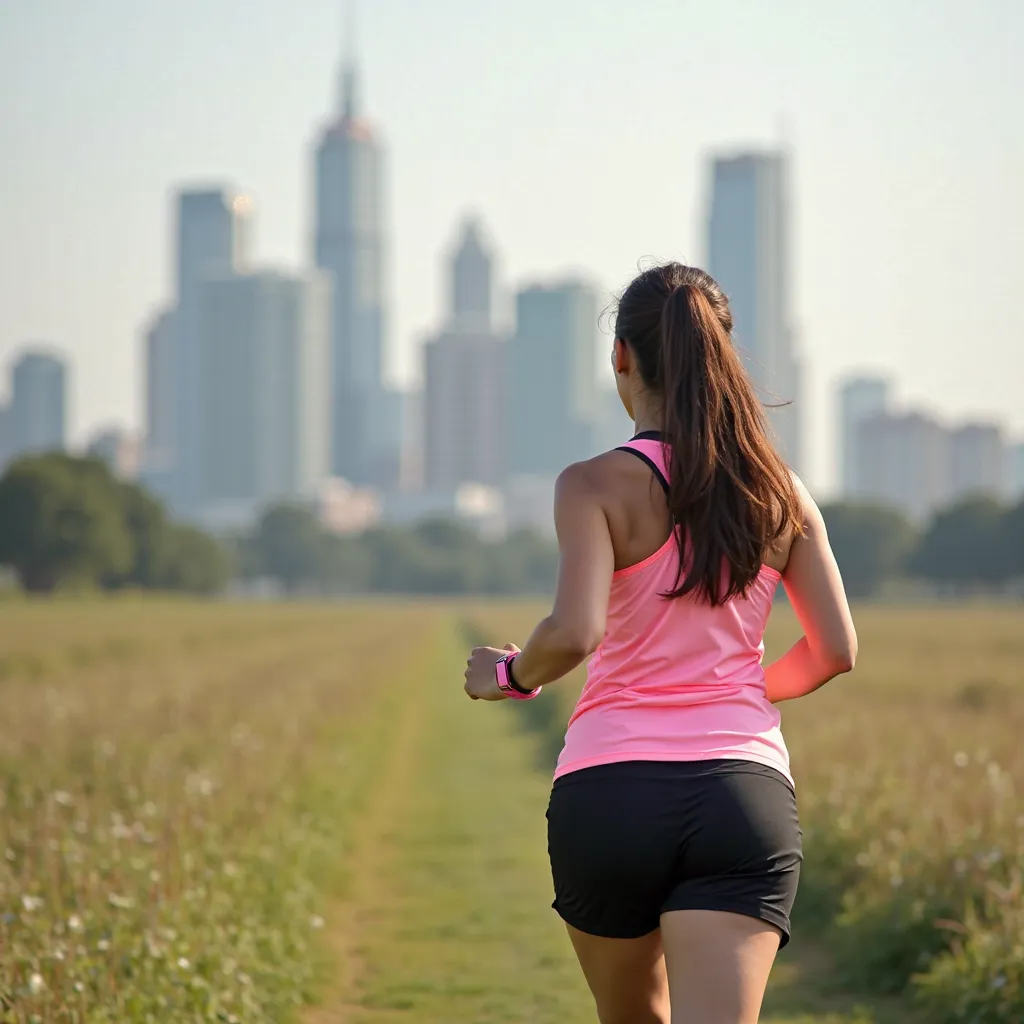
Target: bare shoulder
(582, 479)
(601, 477)
(811, 514)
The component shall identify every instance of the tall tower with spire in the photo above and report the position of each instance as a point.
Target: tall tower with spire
(349, 243)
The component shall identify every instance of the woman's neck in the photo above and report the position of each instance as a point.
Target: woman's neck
(647, 414)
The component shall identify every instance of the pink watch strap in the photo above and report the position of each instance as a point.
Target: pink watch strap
(504, 679)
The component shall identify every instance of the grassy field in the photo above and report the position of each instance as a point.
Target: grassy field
(217, 813)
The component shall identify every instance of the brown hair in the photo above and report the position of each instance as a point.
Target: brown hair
(730, 493)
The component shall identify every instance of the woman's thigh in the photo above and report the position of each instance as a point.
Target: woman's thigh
(626, 976)
(717, 965)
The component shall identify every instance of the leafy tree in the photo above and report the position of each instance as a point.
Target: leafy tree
(1011, 539)
(149, 530)
(60, 522)
(961, 546)
(290, 545)
(871, 544)
(195, 563)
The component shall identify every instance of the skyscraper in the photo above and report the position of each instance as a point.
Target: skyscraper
(1016, 460)
(160, 356)
(978, 461)
(904, 463)
(38, 404)
(212, 233)
(551, 394)
(748, 254)
(472, 280)
(349, 243)
(464, 428)
(463, 421)
(265, 343)
(118, 449)
(860, 398)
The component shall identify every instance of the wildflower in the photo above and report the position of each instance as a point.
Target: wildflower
(75, 923)
(79, 987)
(316, 921)
(960, 759)
(36, 984)
(103, 945)
(183, 963)
(120, 902)
(63, 798)
(31, 903)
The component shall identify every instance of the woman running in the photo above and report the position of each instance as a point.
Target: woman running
(672, 827)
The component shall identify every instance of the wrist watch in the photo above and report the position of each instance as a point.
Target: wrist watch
(506, 682)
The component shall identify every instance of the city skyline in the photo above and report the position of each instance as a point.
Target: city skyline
(874, 249)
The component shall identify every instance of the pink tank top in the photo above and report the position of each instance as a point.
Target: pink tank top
(676, 679)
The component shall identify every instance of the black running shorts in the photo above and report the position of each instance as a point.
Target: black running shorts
(631, 841)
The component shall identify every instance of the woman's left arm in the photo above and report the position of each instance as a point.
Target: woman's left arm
(576, 624)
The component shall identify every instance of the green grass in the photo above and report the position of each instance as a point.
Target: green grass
(216, 813)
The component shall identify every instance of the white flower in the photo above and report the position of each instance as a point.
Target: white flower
(75, 923)
(31, 903)
(183, 963)
(63, 798)
(120, 902)
(36, 984)
(316, 921)
(78, 987)
(960, 759)
(103, 945)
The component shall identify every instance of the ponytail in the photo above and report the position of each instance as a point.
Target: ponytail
(731, 495)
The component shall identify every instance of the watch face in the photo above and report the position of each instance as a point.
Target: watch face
(501, 673)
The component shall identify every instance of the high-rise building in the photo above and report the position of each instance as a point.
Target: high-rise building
(350, 243)
(464, 426)
(472, 280)
(977, 454)
(265, 343)
(464, 367)
(38, 404)
(1017, 471)
(551, 394)
(118, 449)
(860, 398)
(904, 463)
(212, 235)
(160, 367)
(749, 256)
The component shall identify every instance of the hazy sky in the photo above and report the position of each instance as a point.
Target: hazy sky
(579, 129)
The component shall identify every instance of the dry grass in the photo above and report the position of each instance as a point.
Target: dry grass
(189, 792)
(173, 782)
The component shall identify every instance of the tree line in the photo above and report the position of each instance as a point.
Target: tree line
(67, 521)
(438, 556)
(974, 546)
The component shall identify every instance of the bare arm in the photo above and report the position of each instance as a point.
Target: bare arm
(586, 561)
(815, 588)
(575, 626)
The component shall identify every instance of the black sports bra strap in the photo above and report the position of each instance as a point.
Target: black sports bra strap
(658, 475)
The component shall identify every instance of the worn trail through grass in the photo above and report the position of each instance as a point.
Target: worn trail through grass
(445, 915)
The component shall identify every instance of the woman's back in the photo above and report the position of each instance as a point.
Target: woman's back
(673, 678)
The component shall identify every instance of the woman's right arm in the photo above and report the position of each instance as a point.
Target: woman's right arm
(815, 589)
